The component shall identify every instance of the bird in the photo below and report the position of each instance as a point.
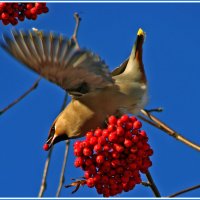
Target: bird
(96, 92)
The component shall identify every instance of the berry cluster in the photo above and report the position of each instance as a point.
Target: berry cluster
(12, 12)
(113, 157)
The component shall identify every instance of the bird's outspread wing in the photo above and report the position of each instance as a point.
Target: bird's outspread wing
(59, 60)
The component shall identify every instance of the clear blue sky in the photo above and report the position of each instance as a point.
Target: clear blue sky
(172, 64)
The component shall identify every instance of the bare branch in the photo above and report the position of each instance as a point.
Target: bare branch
(34, 86)
(45, 172)
(62, 178)
(77, 19)
(162, 126)
(185, 190)
(152, 185)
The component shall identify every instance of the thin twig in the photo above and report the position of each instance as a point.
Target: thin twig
(185, 190)
(162, 126)
(46, 167)
(152, 185)
(146, 184)
(34, 86)
(77, 183)
(45, 172)
(62, 177)
(74, 36)
(159, 109)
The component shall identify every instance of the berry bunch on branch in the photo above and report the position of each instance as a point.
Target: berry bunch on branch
(11, 13)
(113, 158)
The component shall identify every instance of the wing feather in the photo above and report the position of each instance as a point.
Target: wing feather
(59, 60)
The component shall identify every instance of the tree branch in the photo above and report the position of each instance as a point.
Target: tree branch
(154, 121)
(185, 190)
(77, 19)
(34, 86)
(45, 172)
(62, 178)
(152, 185)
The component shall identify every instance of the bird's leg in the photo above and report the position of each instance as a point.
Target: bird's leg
(74, 36)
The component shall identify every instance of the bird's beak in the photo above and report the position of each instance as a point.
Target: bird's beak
(137, 49)
(53, 138)
(50, 140)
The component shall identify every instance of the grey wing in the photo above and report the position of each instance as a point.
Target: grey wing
(120, 69)
(59, 60)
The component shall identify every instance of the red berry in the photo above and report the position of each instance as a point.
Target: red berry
(104, 179)
(34, 17)
(85, 143)
(143, 134)
(128, 143)
(33, 11)
(5, 21)
(2, 4)
(111, 128)
(101, 140)
(98, 148)
(87, 151)
(106, 147)
(46, 147)
(124, 118)
(112, 120)
(5, 15)
(38, 5)
(100, 159)
(137, 124)
(115, 154)
(132, 118)
(98, 132)
(129, 126)
(120, 131)
(88, 162)
(90, 182)
(115, 163)
(119, 148)
(113, 137)
(29, 6)
(105, 133)
(45, 10)
(14, 21)
(87, 174)
(78, 162)
(97, 178)
(120, 123)
(93, 140)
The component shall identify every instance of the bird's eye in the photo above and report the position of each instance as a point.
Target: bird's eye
(53, 128)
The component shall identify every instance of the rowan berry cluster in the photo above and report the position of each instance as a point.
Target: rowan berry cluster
(10, 13)
(113, 157)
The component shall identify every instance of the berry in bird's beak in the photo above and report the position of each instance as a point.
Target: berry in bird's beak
(46, 147)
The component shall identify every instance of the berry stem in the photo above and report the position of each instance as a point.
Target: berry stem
(152, 185)
(154, 121)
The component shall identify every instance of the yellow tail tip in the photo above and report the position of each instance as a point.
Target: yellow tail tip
(140, 32)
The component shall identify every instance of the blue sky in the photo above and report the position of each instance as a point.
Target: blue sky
(172, 64)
